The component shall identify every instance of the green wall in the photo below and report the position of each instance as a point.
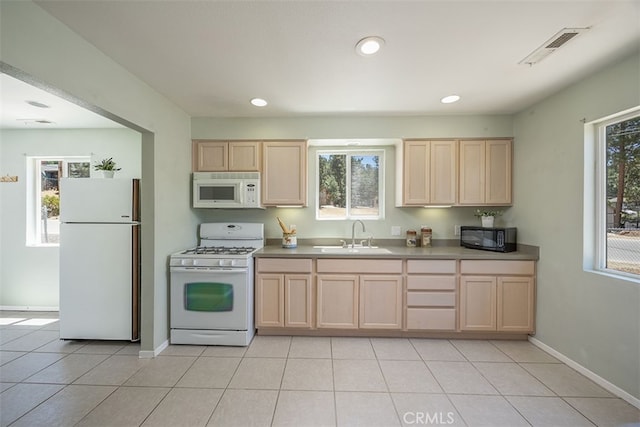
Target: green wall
(36, 47)
(593, 319)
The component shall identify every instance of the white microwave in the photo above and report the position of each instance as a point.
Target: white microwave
(228, 190)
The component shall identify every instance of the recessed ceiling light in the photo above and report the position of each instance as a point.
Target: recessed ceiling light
(32, 121)
(37, 104)
(450, 99)
(369, 45)
(258, 102)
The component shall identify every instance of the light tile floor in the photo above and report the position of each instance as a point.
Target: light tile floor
(291, 381)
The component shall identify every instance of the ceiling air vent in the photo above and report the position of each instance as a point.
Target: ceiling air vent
(551, 45)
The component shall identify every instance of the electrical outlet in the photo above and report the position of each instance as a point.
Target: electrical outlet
(396, 230)
(456, 230)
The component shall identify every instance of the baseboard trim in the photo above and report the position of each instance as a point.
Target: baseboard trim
(610, 387)
(28, 308)
(148, 354)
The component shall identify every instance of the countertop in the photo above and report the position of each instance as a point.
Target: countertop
(440, 251)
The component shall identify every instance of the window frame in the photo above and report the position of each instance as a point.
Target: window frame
(380, 152)
(599, 129)
(34, 194)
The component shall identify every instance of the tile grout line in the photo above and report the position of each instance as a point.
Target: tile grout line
(284, 370)
(386, 383)
(333, 382)
(201, 355)
(440, 385)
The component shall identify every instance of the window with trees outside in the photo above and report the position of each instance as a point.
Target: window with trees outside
(45, 200)
(350, 185)
(619, 236)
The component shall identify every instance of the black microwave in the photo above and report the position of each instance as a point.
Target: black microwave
(488, 239)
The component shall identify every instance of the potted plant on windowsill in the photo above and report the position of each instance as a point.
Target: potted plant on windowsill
(487, 216)
(107, 166)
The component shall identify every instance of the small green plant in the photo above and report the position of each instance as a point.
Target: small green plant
(106, 165)
(52, 202)
(487, 213)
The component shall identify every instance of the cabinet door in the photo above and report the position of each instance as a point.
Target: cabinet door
(515, 304)
(477, 303)
(416, 173)
(472, 173)
(244, 156)
(269, 300)
(443, 172)
(337, 303)
(498, 173)
(210, 156)
(298, 301)
(284, 173)
(381, 302)
(429, 172)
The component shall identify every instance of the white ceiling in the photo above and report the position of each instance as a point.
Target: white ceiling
(17, 113)
(211, 57)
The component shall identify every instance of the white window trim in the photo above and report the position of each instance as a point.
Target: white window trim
(34, 195)
(595, 223)
(381, 183)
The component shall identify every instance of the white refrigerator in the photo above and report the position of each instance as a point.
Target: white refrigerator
(99, 259)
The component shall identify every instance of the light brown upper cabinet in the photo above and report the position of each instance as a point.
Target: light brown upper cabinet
(284, 173)
(429, 172)
(485, 172)
(222, 156)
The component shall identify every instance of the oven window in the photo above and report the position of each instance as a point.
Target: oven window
(217, 192)
(208, 296)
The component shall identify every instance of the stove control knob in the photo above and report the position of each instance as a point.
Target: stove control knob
(187, 262)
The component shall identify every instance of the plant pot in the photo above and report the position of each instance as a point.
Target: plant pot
(108, 174)
(487, 221)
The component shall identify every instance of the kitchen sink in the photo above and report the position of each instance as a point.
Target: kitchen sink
(361, 250)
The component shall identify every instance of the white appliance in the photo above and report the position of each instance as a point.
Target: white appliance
(99, 259)
(232, 190)
(212, 286)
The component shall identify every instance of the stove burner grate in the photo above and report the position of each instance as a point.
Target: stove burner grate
(219, 250)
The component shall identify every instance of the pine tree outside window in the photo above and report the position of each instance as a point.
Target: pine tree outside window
(350, 185)
(619, 229)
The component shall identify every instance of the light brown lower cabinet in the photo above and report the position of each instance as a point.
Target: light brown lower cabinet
(515, 305)
(359, 294)
(380, 302)
(478, 303)
(284, 299)
(359, 301)
(337, 301)
(497, 296)
(431, 295)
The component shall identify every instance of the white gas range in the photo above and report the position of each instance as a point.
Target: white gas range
(212, 286)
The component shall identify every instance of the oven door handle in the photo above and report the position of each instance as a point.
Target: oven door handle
(209, 270)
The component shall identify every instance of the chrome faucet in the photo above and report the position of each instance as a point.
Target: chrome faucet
(353, 232)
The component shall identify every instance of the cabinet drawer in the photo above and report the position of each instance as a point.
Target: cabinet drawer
(367, 266)
(497, 267)
(431, 283)
(283, 265)
(443, 319)
(432, 299)
(431, 266)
